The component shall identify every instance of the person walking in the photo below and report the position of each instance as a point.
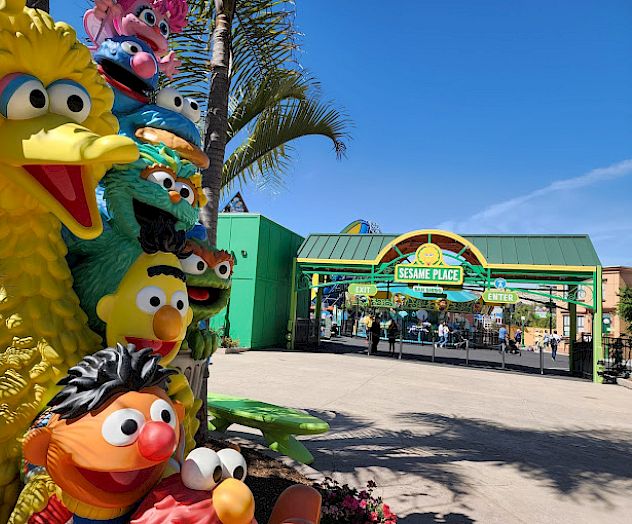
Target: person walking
(392, 336)
(502, 338)
(375, 334)
(518, 336)
(554, 341)
(443, 334)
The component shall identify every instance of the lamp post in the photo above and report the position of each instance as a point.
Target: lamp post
(523, 318)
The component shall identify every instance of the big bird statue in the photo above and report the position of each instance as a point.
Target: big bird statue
(57, 138)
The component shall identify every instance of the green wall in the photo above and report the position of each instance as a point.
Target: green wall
(260, 297)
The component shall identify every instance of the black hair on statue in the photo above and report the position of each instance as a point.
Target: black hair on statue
(160, 234)
(100, 376)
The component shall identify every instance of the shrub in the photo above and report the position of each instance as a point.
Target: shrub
(344, 504)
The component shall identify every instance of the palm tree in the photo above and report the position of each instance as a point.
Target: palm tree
(257, 91)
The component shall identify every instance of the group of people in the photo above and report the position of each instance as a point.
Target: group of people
(512, 345)
(374, 331)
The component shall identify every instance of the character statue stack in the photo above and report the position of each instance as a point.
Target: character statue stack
(99, 285)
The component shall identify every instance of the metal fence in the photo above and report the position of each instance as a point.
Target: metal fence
(617, 356)
(583, 357)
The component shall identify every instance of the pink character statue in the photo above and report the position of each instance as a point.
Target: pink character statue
(150, 20)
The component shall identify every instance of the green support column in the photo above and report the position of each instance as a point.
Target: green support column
(572, 335)
(291, 323)
(318, 308)
(597, 328)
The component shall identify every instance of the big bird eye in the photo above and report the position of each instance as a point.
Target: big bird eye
(67, 98)
(121, 428)
(186, 192)
(170, 98)
(222, 270)
(131, 48)
(233, 464)
(22, 97)
(202, 470)
(150, 299)
(164, 28)
(193, 265)
(162, 411)
(162, 178)
(192, 110)
(180, 301)
(148, 16)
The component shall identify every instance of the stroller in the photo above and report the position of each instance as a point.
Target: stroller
(512, 347)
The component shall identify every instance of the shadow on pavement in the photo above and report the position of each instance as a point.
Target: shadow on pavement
(432, 517)
(567, 461)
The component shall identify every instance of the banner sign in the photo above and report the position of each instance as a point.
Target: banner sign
(368, 290)
(500, 296)
(429, 269)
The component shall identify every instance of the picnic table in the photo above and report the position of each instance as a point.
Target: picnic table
(278, 424)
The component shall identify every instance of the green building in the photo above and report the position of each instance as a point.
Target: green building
(259, 306)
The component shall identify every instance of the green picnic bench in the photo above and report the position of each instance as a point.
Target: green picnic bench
(278, 424)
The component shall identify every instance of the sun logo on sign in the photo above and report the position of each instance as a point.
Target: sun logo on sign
(429, 255)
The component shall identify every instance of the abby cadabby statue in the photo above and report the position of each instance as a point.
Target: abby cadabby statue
(153, 21)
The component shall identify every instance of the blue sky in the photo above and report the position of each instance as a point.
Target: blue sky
(474, 116)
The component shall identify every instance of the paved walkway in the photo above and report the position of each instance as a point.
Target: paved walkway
(451, 444)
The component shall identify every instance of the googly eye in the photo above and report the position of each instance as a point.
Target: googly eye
(222, 270)
(192, 110)
(148, 16)
(131, 48)
(69, 99)
(233, 464)
(180, 301)
(194, 265)
(164, 28)
(121, 428)
(162, 411)
(163, 179)
(202, 470)
(22, 97)
(150, 299)
(170, 98)
(186, 192)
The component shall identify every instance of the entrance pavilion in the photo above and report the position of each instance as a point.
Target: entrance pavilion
(547, 266)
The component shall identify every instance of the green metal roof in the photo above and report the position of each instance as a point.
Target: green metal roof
(556, 250)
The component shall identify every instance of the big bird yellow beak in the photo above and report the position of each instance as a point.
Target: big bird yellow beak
(60, 164)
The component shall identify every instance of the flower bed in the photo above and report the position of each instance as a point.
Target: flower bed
(344, 504)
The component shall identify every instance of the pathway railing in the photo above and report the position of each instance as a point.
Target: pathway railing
(617, 355)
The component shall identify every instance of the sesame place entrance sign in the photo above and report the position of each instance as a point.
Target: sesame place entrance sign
(429, 269)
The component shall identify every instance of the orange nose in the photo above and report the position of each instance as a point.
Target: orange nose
(174, 196)
(167, 323)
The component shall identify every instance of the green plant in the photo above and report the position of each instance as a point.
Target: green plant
(624, 307)
(228, 342)
(343, 504)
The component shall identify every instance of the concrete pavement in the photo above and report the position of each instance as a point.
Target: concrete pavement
(451, 444)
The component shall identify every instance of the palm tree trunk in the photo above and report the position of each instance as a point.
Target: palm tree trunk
(216, 124)
(44, 5)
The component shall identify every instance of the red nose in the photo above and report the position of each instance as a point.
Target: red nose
(157, 441)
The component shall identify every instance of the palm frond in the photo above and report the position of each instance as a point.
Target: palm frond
(258, 96)
(266, 152)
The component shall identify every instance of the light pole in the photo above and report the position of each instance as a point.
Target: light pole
(523, 318)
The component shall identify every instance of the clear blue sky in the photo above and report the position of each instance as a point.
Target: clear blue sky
(475, 116)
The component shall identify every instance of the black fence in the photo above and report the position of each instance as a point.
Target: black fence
(617, 356)
(583, 357)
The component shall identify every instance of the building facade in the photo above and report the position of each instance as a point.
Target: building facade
(614, 278)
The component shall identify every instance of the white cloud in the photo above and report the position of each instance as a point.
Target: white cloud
(573, 205)
(595, 176)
